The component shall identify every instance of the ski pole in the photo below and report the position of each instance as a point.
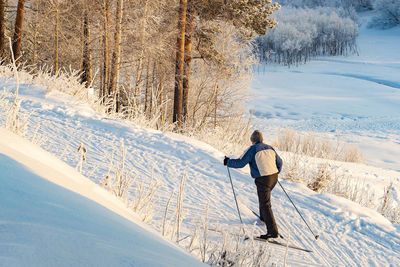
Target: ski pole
(315, 236)
(233, 190)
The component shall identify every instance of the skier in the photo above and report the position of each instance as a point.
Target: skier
(265, 164)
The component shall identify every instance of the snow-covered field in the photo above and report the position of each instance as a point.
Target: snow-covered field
(307, 98)
(356, 98)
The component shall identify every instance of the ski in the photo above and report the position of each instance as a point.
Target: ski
(270, 241)
(274, 242)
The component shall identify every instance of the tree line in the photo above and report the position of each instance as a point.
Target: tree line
(183, 61)
(303, 33)
(387, 14)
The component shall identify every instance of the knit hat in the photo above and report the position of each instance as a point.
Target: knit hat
(256, 137)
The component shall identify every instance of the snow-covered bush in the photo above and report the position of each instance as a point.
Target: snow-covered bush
(15, 120)
(303, 33)
(119, 179)
(322, 178)
(233, 252)
(217, 246)
(82, 157)
(387, 14)
(389, 207)
(307, 144)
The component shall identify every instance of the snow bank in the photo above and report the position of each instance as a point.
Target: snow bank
(53, 216)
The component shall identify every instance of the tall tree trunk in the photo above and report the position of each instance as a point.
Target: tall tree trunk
(86, 57)
(138, 78)
(116, 57)
(146, 93)
(216, 107)
(161, 100)
(2, 29)
(162, 118)
(16, 47)
(57, 20)
(180, 57)
(188, 59)
(35, 33)
(152, 93)
(106, 51)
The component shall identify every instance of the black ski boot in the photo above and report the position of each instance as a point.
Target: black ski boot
(268, 236)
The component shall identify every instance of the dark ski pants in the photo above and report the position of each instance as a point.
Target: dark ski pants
(265, 184)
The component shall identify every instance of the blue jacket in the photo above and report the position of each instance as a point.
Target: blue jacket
(262, 158)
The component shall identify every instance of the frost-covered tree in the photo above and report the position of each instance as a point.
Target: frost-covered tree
(357, 4)
(249, 16)
(85, 36)
(219, 90)
(387, 14)
(113, 85)
(320, 31)
(362, 5)
(59, 46)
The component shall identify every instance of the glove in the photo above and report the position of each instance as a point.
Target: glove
(226, 160)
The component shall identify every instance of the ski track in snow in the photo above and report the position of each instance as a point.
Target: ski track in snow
(346, 239)
(392, 84)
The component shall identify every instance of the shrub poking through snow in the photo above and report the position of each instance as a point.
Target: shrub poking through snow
(322, 178)
(15, 119)
(82, 157)
(308, 144)
(118, 179)
(144, 198)
(387, 200)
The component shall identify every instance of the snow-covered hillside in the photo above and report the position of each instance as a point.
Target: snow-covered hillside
(53, 216)
(350, 235)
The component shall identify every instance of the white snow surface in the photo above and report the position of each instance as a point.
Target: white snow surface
(350, 235)
(355, 98)
(53, 216)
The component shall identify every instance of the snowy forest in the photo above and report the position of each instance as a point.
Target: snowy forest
(320, 28)
(182, 65)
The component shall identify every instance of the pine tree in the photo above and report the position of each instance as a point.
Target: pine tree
(2, 29)
(180, 58)
(103, 92)
(86, 76)
(188, 58)
(252, 16)
(116, 56)
(16, 47)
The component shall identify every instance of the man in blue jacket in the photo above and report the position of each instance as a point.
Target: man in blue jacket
(265, 164)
